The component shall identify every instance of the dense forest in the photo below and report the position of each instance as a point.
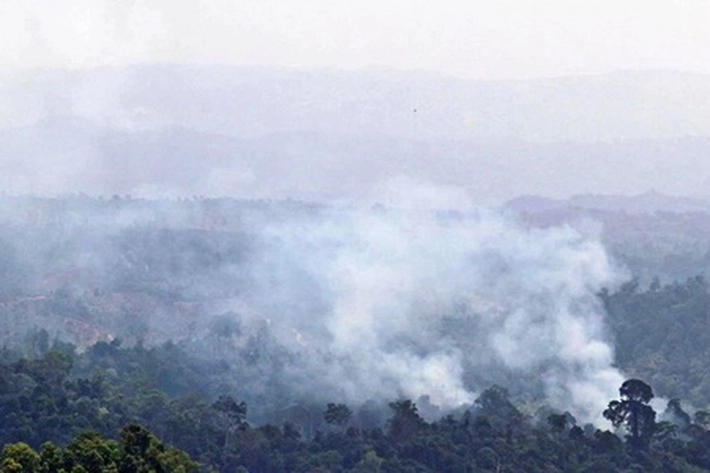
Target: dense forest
(136, 337)
(56, 419)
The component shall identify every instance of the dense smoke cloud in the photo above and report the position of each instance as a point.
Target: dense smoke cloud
(414, 293)
(405, 301)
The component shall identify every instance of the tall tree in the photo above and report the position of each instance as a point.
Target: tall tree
(633, 411)
(405, 421)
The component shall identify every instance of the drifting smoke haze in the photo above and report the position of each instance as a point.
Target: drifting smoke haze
(413, 293)
(381, 286)
(406, 291)
(423, 299)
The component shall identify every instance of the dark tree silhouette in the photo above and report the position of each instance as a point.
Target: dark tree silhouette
(633, 411)
(405, 420)
(337, 414)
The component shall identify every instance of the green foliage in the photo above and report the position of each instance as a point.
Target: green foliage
(138, 451)
(163, 391)
(661, 335)
(493, 437)
(19, 457)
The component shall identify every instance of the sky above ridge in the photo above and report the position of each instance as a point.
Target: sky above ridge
(480, 39)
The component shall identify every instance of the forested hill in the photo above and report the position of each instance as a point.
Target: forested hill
(55, 417)
(141, 271)
(651, 234)
(661, 335)
(122, 311)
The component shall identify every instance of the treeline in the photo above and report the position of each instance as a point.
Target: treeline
(49, 399)
(137, 450)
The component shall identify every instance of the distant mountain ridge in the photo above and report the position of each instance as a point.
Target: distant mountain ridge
(648, 202)
(255, 101)
(321, 135)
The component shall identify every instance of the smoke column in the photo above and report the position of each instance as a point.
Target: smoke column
(411, 300)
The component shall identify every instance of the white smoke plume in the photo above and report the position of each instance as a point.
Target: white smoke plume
(410, 300)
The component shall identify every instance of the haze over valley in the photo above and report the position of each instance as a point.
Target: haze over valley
(373, 237)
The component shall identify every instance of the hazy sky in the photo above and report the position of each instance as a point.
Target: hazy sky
(483, 39)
